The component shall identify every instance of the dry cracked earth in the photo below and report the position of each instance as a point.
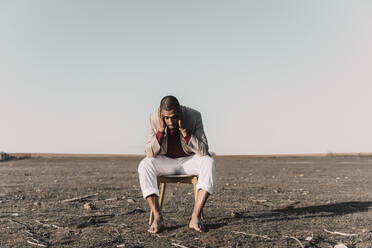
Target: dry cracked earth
(258, 202)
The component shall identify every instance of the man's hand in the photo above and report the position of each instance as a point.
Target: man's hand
(161, 121)
(182, 128)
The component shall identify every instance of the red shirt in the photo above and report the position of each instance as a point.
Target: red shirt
(174, 149)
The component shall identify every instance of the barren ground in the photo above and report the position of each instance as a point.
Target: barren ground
(278, 199)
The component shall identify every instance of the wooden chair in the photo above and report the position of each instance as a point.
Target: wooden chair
(162, 182)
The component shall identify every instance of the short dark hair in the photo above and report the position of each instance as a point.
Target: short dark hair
(169, 103)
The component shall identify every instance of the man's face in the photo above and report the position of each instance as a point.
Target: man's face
(171, 118)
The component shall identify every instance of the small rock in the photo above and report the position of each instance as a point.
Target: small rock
(130, 200)
(113, 199)
(15, 214)
(189, 193)
(235, 214)
(308, 242)
(301, 175)
(89, 206)
(136, 210)
(337, 178)
(340, 246)
(37, 204)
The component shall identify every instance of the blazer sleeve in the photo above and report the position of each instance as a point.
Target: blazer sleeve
(152, 146)
(198, 141)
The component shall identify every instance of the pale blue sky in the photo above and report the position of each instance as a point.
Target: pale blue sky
(268, 76)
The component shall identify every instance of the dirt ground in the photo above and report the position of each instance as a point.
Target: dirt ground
(258, 202)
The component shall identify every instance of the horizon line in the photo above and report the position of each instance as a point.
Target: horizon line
(328, 154)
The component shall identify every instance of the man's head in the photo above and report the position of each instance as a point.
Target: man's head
(170, 110)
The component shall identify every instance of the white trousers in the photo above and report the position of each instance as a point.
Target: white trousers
(151, 167)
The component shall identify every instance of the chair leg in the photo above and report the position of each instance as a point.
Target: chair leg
(162, 191)
(202, 215)
(194, 182)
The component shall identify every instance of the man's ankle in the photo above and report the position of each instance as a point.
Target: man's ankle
(158, 216)
(195, 216)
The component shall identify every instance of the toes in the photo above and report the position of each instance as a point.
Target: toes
(199, 227)
(155, 228)
(196, 228)
(152, 229)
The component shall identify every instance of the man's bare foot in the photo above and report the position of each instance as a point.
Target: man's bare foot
(197, 224)
(156, 226)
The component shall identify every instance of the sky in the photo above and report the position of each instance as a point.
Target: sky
(269, 77)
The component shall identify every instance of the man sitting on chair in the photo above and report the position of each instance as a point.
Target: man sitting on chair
(176, 144)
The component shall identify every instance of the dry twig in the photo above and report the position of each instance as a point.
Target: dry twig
(161, 236)
(298, 241)
(178, 245)
(29, 233)
(79, 198)
(342, 234)
(41, 223)
(58, 227)
(49, 225)
(253, 235)
(98, 215)
(38, 241)
(37, 244)
(19, 223)
(263, 202)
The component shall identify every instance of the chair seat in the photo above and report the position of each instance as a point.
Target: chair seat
(177, 176)
(177, 179)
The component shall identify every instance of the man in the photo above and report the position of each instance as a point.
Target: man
(176, 144)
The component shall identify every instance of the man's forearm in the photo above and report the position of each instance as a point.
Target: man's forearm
(152, 147)
(199, 145)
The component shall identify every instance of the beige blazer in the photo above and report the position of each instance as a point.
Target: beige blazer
(192, 121)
